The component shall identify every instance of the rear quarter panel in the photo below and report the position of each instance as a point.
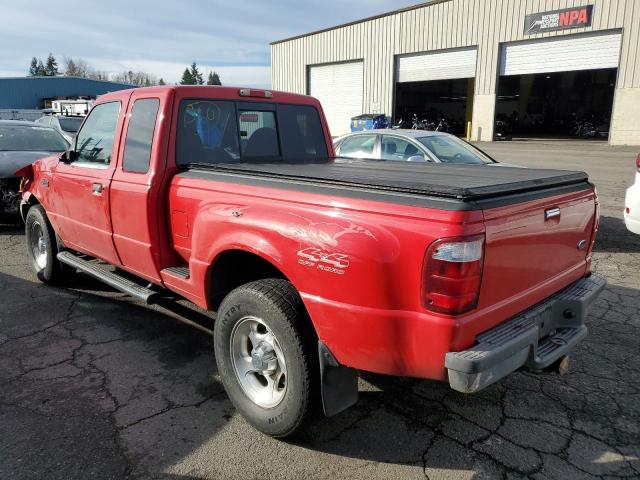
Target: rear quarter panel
(356, 263)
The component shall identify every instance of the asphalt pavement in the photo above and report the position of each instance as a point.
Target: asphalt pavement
(95, 385)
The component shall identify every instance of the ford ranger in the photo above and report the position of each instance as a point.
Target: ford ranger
(316, 269)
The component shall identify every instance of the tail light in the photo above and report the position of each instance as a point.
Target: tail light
(638, 162)
(452, 274)
(594, 234)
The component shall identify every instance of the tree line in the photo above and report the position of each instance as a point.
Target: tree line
(193, 76)
(77, 67)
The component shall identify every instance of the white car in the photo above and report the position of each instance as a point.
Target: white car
(632, 203)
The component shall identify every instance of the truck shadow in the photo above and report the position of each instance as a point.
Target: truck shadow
(137, 375)
(613, 237)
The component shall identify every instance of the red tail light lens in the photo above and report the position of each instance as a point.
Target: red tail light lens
(452, 275)
(638, 162)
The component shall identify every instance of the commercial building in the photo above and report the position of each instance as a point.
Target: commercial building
(538, 68)
(39, 92)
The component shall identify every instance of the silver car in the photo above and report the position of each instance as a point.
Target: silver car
(409, 146)
(67, 126)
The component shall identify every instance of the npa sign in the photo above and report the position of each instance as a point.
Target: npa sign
(558, 20)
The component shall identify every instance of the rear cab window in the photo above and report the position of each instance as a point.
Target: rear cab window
(139, 139)
(225, 131)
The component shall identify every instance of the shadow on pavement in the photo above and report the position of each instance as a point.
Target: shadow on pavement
(613, 237)
(94, 385)
(99, 381)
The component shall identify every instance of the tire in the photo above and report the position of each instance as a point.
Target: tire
(278, 404)
(42, 248)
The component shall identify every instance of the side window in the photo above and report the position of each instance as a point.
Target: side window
(137, 147)
(207, 132)
(258, 134)
(395, 148)
(358, 146)
(95, 140)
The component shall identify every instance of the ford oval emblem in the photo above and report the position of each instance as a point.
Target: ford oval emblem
(582, 244)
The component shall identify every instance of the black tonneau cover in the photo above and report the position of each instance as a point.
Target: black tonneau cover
(464, 182)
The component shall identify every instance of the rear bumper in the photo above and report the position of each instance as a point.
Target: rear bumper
(535, 338)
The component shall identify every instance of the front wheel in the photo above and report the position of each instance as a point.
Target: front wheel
(266, 352)
(42, 248)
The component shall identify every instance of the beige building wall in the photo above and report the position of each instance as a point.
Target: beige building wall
(444, 24)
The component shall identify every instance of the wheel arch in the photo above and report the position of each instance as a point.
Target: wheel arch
(28, 201)
(236, 266)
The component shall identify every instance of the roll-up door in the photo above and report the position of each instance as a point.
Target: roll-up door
(561, 54)
(339, 87)
(440, 65)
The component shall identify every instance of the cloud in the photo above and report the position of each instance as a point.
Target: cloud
(240, 75)
(164, 37)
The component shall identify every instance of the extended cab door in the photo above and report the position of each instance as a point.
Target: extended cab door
(81, 186)
(140, 184)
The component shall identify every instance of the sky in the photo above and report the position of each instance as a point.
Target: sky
(162, 38)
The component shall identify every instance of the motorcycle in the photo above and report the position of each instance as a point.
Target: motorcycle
(443, 126)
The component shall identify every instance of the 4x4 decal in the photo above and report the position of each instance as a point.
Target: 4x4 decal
(323, 260)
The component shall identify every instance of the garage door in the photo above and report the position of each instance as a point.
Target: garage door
(339, 87)
(441, 65)
(561, 54)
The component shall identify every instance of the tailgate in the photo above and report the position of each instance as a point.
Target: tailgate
(536, 242)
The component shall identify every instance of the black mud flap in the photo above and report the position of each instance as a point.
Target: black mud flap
(339, 383)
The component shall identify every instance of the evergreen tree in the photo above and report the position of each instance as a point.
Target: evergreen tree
(33, 68)
(196, 75)
(187, 78)
(51, 68)
(40, 70)
(214, 79)
(161, 81)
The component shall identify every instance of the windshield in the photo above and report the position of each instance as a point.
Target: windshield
(222, 131)
(23, 138)
(449, 149)
(70, 124)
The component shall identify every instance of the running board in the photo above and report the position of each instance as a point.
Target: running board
(112, 279)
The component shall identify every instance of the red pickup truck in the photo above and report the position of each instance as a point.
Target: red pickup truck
(316, 268)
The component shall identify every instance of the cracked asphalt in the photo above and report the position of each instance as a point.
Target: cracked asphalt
(95, 385)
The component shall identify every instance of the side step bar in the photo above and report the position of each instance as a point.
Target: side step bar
(112, 279)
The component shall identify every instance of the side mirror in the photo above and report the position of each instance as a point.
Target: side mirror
(416, 158)
(68, 156)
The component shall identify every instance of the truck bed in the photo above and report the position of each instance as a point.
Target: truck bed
(461, 182)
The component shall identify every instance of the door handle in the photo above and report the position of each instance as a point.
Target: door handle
(96, 188)
(551, 213)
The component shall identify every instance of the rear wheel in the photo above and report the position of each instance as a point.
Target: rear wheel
(266, 352)
(42, 248)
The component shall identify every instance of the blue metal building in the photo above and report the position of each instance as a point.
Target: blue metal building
(31, 92)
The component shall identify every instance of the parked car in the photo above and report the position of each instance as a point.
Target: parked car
(67, 126)
(632, 203)
(315, 269)
(21, 143)
(410, 146)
